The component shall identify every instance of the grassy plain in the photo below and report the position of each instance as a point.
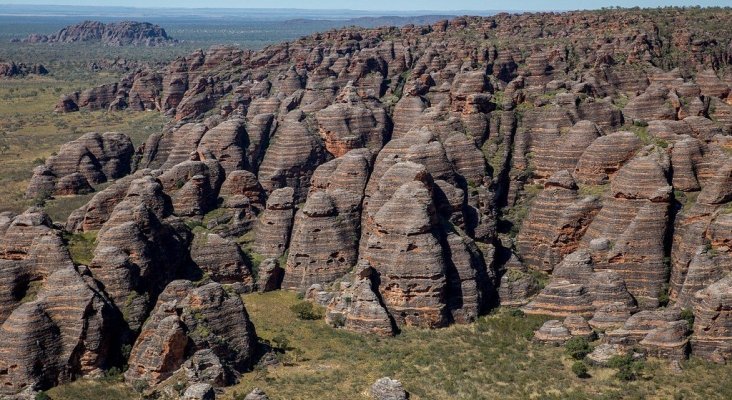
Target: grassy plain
(30, 131)
(493, 358)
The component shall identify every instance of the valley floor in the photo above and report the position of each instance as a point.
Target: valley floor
(30, 132)
(493, 358)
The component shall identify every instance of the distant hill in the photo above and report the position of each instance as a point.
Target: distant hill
(125, 33)
(374, 22)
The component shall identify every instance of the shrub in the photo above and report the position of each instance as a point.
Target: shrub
(688, 315)
(663, 298)
(516, 313)
(42, 396)
(307, 311)
(113, 374)
(140, 386)
(628, 368)
(338, 321)
(577, 347)
(580, 369)
(281, 342)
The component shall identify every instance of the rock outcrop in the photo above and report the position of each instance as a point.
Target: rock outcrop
(713, 321)
(66, 330)
(187, 319)
(556, 222)
(388, 389)
(10, 69)
(359, 307)
(126, 33)
(91, 159)
(397, 177)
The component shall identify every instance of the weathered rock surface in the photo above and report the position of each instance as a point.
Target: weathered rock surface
(405, 251)
(221, 259)
(138, 252)
(66, 330)
(553, 332)
(635, 219)
(199, 391)
(187, 319)
(292, 158)
(713, 322)
(359, 307)
(256, 394)
(557, 221)
(324, 243)
(92, 159)
(388, 389)
(398, 177)
(605, 156)
(272, 234)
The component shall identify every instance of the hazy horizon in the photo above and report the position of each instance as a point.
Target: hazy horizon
(375, 5)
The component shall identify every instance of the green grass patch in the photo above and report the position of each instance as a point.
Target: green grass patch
(31, 292)
(641, 130)
(593, 190)
(81, 246)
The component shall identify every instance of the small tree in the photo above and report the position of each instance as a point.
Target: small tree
(307, 311)
(577, 347)
(628, 368)
(580, 369)
(688, 315)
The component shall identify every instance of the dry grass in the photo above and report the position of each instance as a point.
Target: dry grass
(493, 358)
(93, 390)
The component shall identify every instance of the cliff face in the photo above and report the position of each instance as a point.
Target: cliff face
(126, 33)
(411, 177)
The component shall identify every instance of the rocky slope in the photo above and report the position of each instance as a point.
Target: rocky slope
(9, 69)
(125, 33)
(577, 164)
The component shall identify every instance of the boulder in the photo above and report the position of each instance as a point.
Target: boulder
(256, 394)
(603, 353)
(552, 332)
(578, 326)
(199, 391)
(359, 307)
(388, 389)
(270, 275)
